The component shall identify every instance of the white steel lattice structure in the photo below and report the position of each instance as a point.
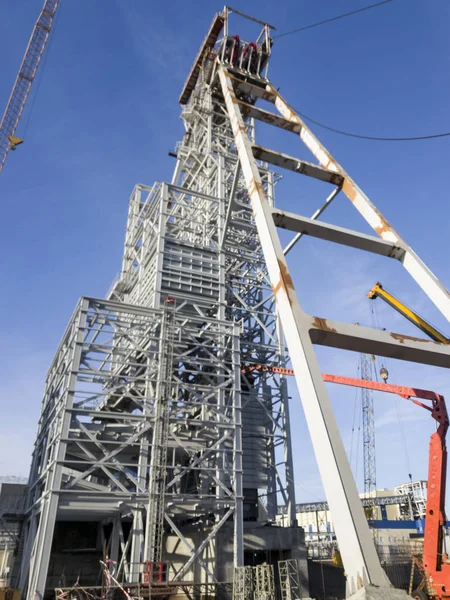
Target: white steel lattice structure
(416, 493)
(209, 239)
(243, 583)
(125, 401)
(98, 415)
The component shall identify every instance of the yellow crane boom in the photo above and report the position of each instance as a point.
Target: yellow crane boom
(378, 292)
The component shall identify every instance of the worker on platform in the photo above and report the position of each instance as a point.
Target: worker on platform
(232, 47)
(250, 58)
(264, 53)
(236, 49)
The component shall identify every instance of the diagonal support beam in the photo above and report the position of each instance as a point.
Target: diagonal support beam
(315, 216)
(234, 185)
(195, 554)
(199, 550)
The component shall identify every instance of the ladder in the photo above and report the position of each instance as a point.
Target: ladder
(158, 460)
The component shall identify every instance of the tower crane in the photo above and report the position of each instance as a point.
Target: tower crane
(24, 80)
(370, 483)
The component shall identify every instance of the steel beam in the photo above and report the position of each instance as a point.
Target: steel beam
(334, 334)
(255, 112)
(338, 235)
(427, 280)
(295, 164)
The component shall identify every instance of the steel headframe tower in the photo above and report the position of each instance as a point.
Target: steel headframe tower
(120, 404)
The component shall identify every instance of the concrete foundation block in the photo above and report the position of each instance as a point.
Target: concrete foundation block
(371, 592)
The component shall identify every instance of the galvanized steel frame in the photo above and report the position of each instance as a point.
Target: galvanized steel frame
(92, 451)
(289, 574)
(207, 205)
(264, 582)
(243, 583)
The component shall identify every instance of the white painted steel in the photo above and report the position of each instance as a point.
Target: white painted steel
(426, 279)
(358, 551)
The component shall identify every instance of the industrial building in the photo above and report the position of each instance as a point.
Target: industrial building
(395, 517)
(163, 460)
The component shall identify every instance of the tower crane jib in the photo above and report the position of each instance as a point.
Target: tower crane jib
(24, 80)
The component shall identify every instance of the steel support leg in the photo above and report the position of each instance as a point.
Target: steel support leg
(360, 558)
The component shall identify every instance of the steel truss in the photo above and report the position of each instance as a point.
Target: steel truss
(243, 583)
(196, 239)
(97, 423)
(264, 584)
(302, 330)
(289, 573)
(368, 417)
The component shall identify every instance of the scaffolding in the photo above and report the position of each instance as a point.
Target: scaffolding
(264, 582)
(289, 573)
(243, 583)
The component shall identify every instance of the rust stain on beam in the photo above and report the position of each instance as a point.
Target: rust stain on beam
(285, 283)
(409, 338)
(208, 43)
(322, 324)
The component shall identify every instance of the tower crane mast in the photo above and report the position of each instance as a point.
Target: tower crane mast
(24, 79)
(370, 484)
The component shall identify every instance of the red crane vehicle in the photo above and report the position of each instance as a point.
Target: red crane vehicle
(435, 564)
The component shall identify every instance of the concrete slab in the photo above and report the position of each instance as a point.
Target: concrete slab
(371, 592)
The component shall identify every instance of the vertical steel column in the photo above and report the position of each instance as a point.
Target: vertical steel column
(158, 460)
(164, 210)
(40, 557)
(238, 547)
(220, 192)
(137, 545)
(115, 543)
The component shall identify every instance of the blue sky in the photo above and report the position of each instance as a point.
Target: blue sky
(102, 116)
